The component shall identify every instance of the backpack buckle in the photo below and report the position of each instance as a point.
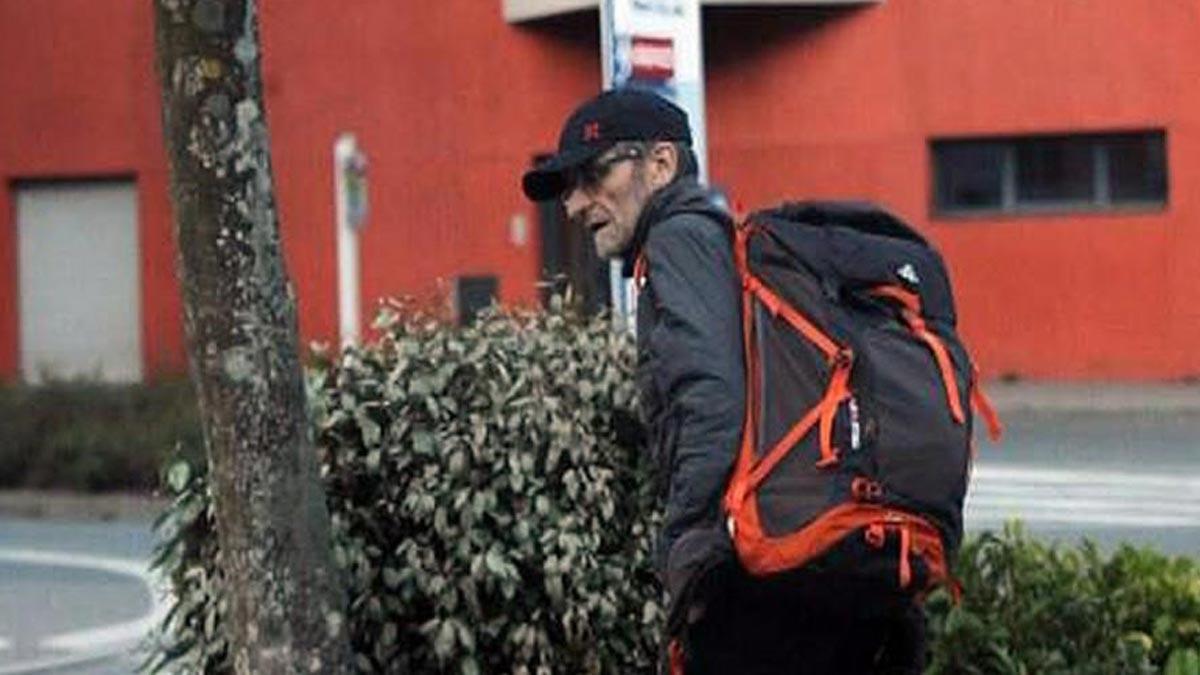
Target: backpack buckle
(844, 358)
(865, 490)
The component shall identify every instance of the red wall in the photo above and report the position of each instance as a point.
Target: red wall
(856, 96)
(78, 100)
(450, 104)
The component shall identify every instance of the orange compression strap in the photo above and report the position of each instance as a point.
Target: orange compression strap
(876, 534)
(675, 657)
(905, 548)
(748, 473)
(911, 311)
(839, 390)
(823, 412)
(763, 554)
(780, 307)
(985, 408)
(736, 490)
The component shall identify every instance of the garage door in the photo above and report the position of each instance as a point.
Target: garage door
(80, 313)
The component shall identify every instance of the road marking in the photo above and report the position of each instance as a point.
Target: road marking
(102, 641)
(1085, 491)
(4, 644)
(54, 663)
(980, 516)
(1035, 502)
(1084, 497)
(1046, 475)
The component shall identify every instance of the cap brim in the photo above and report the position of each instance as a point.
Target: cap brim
(549, 179)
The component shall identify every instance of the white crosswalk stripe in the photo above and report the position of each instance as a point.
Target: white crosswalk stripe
(1083, 497)
(78, 649)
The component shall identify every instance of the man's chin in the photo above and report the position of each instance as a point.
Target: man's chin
(606, 250)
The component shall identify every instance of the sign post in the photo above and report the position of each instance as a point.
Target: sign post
(350, 194)
(654, 45)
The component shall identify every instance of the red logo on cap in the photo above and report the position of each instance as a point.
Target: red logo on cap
(591, 131)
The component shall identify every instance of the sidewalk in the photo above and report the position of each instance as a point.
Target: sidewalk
(1098, 397)
(62, 505)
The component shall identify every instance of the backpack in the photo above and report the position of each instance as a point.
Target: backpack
(857, 443)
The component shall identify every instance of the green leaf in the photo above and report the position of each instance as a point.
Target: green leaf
(389, 633)
(422, 442)
(444, 642)
(1183, 661)
(371, 431)
(179, 475)
(391, 578)
(494, 561)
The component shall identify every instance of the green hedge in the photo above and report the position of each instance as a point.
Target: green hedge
(490, 519)
(486, 515)
(89, 436)
(1029, 607)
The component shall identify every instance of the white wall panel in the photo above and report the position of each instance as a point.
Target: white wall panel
(79, 281)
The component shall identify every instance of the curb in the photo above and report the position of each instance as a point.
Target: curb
(1039, 397)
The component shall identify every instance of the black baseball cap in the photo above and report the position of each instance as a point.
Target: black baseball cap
(616, 115)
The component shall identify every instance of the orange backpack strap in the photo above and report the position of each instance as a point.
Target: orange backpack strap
(675, 657)
(749, 473)
(641, 269)
(984, 405)
(910, 304)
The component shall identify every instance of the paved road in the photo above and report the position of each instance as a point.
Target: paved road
(1120, 476)
(67, 590)
(73, 597)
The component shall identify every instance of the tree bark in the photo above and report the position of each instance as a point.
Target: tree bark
(286, 603)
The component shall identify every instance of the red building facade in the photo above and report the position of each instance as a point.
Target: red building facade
(451, 103)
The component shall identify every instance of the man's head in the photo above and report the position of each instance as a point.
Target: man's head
(615, 151)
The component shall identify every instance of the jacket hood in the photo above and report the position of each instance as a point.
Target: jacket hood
(683, 195)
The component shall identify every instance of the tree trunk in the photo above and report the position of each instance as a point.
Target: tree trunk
(285, 600)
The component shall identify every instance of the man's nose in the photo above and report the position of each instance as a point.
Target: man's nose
(574, 203)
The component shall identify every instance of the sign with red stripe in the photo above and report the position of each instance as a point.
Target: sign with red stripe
(652, 58)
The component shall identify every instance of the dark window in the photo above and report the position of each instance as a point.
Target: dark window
(977, 178)
(1055, 170)
(1039, 173)
(1137, 169)
(474, 294)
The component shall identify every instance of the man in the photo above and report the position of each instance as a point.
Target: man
(625, 171)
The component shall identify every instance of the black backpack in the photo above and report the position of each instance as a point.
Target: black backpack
(857, 443)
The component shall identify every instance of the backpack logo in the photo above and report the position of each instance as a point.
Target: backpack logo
(908, 273)
(591, 131)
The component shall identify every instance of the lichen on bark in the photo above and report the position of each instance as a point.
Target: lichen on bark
(240, 321)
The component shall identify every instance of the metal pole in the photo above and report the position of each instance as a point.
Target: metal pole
(345, 152)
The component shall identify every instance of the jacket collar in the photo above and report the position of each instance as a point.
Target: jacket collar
(684, 194)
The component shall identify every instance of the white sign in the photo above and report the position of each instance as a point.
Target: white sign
(655, 45)
(350, 198)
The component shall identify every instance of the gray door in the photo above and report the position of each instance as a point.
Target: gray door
(79, 279)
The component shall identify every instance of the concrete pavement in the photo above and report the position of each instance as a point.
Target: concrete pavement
(1097, 397)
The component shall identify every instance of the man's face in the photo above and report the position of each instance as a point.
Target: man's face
(607, 196)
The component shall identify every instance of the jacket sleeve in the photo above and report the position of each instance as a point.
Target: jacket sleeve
(698, 344)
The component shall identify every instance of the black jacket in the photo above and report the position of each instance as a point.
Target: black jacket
(690, 374)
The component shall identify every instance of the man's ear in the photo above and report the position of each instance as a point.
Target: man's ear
(663, 164)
